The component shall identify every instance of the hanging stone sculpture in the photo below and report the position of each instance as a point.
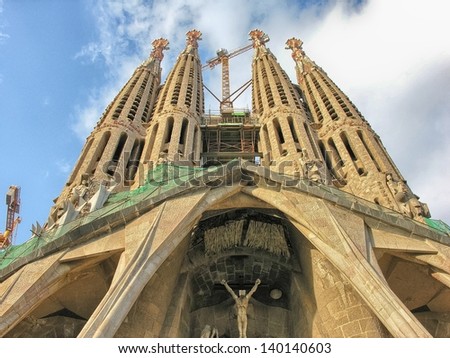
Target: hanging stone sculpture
(241, 304)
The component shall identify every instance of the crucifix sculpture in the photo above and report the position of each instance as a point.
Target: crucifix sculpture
(241, 304)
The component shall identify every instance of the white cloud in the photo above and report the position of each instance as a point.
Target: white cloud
(3, 36)
(390, 57)
(63, 166)
(46, 101)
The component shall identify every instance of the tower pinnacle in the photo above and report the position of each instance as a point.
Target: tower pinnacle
(157, 55)
(159, 45)
(192, 38)
(259, 38)
(296, 46)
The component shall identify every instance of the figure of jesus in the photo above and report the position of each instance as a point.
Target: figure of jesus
(241, 303)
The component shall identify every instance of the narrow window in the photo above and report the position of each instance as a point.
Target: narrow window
(348, 147)
(196, 145)
(336, 157)
(117, 153)
(266, 140)
(133, 161)
(99, 152)
(311, 140)
(151, 142)
(169, 130)
(293, 131)
(325, 156)
(184, 131)
(278, 131)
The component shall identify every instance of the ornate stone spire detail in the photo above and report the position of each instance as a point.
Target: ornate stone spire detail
(296, 46)
(192, 38)
(303, 62)
(159, 45)
(259, 38)
(157, 55)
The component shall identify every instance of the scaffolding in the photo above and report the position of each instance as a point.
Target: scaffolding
(230, 136)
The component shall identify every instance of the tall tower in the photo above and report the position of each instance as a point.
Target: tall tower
(297, 203)
(174, 134)
(288, 142)
(354, 153)
(112, 152)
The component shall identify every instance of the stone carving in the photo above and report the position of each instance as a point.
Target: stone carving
(192, 38)
(82, 199)
(296, 46)
(241, 304)
(159, 45)
(267, 236)
(406, 200)
(258, 37)
(312, 171)
(221, 238)
(311, 168)
(209, 332)
(78, 195)
(397, 188)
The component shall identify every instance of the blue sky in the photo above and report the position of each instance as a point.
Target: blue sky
(62, 62)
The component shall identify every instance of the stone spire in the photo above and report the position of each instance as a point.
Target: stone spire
(288, 142)
(354, 153)
(192, 38)
(174, 135)
(112, 151)
(157, 54)
(259, 39)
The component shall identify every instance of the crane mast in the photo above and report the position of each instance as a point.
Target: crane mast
(12, 218)
(226, 105)
(223, 57)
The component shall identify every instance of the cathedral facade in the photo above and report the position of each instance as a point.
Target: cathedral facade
(289, 220)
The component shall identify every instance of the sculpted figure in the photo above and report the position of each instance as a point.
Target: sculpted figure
(398, 188)
(78, 193)
(312, 171)
(310, 167)
(209, 332)
(407, 201)
(241, 304)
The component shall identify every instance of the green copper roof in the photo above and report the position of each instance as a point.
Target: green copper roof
(162, 179)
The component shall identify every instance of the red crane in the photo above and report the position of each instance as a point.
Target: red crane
(12, 218)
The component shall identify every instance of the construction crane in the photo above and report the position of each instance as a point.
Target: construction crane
(223, 57)
(12, 218)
